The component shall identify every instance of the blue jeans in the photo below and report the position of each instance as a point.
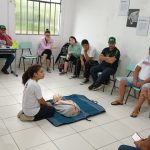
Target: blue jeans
(126, 147)
(9, 59)
(104, 77)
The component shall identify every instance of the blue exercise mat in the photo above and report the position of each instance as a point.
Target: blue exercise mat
(88, 108)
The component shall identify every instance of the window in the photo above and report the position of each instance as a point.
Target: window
(34, 16)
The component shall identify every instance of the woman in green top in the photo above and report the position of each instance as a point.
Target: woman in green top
(74, 51)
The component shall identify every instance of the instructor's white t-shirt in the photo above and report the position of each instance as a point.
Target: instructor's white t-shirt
(145, 68)
(31, 94)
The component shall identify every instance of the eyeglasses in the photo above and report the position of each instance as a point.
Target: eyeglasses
(47, 35)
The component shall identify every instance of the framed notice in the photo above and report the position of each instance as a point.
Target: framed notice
(124, 7)
(132, 19)
(143, 26)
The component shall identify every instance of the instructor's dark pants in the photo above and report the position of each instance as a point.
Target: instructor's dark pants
(45, 112)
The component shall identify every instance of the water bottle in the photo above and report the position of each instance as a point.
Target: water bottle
(15, 44)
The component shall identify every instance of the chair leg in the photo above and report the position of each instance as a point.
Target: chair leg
(30, 51)
(36, 61)
(23, 65)
(19, 62)
(128, 95)
(104, 88)
(53, 63)
(20, 58)
(114, 85)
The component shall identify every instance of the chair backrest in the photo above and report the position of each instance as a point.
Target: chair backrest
(25, 45)
(130, 68)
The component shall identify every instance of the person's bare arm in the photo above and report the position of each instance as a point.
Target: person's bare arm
(82, 59)
(8, 40)
(135, 75)
(110, 60)
(103, 58)
(143, 144)
(87, 58)
(43, 102)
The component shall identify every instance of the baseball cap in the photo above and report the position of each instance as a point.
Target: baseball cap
(2, 27)
(112, 40)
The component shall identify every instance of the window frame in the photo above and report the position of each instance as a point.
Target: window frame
(39, 3)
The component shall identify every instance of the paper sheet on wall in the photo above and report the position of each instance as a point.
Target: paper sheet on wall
(143, 26)
(124, 7)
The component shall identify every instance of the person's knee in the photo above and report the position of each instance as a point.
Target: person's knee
(92, 70)
(123, 82)
(11, 58)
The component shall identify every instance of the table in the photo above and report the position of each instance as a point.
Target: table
(10, 51)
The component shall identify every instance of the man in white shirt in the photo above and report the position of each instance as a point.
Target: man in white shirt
(140, 77)
(88, 58)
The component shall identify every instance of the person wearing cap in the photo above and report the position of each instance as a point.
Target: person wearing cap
(109, 58)
(141, 76)
(5, 41)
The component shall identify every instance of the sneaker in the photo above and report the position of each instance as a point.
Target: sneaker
(74, 76)
(98, 86)
(91, 86)
(86, 80)
(48, 70)
(4, 71)
(62, 73)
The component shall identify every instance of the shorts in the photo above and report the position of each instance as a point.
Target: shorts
(146, 85)
(129, 81)
(48, 52)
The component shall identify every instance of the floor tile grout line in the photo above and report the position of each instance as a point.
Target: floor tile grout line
(11, 136)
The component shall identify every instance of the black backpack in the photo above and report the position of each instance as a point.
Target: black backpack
(64, 51)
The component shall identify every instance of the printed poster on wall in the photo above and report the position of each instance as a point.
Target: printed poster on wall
(132, 19)
(124, 7)
(143, 26)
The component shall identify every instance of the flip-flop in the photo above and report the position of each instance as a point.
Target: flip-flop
(116, 103)
(134, 114)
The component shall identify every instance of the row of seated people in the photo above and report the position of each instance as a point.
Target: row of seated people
(44, 49)
(86, 56)
(89, 59)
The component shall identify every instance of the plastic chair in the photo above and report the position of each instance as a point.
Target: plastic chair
(135, 91)
(130, 69)
(26, 46)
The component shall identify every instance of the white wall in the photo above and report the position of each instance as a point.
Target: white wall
(7, 8)
(96, 20)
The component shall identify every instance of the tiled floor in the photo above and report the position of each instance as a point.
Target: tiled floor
(104, 132)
